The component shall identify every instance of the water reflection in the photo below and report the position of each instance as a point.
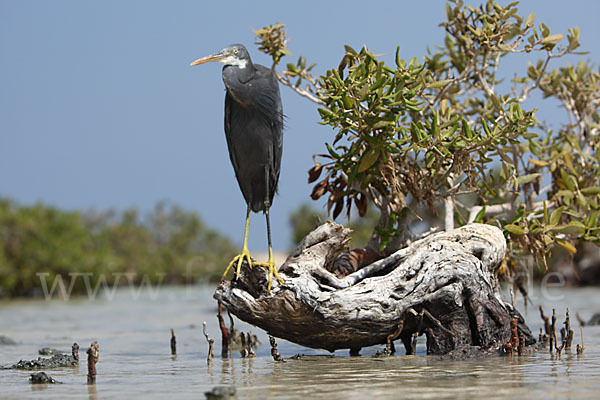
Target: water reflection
(92, 392)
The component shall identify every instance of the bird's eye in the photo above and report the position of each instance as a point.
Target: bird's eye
(235, 51)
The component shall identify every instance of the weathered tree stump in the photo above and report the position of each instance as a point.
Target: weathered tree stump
(444, 286)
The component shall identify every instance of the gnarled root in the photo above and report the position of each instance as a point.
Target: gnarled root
(443, 286)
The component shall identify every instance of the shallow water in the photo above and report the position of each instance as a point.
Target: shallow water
(135, 360)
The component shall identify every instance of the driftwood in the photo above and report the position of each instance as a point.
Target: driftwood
(444, 286)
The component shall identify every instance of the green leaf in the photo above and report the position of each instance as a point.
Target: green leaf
(398, 60)
(381, 124)
(591, 190)
(552, 39)
(529, 19)
(325, 113)
(480, 215)
(350, 50)
(530, 135)
(332, 152)
(449, 12)
(567, 246)
(347, 101)
(521, 180)
(514, 229)
(581, 199)
(555, 216)
(539, 163)
(573, 228)
(368, 159)
(504, 156)
(414, 129)
(439, 84)
(566, 194)
(593, 219)
(545, 30)
(379, 83)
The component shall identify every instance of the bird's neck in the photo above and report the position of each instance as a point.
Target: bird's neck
(233, 74)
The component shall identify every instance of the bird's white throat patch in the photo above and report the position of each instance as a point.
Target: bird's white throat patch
(231, 60)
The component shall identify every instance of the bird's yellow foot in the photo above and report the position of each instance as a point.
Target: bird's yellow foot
(270, 264)
(239, 259)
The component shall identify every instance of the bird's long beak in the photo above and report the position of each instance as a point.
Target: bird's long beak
(213, 57)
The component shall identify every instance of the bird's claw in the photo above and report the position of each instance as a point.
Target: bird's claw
(239, 259)
(270, 265)
(245, 255)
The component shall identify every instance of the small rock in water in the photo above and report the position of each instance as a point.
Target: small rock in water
(56, 361)
(5, 340)
(595, 320)
(381, 353)
(47, 351)
(222, 393)
(41, 377)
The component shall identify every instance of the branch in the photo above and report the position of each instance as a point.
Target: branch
(497, 209)
(449, 213)
(301, 92)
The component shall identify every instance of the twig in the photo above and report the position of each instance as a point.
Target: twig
(417, 332)
(438, 323)
(568, 332)
(209, 340)
(543, 338)
(274, 353)
(431, 340)
(301, 92)
(244, 350)
(224, 331)
(173, 343)
(521, 344)
(514, 337)
(93, 354)
(579, 319)
(553, 331)
(546, 322)
(75, 352)
(497, 209)
(231, 333)
(390, 348)
(556, 347)
(582, 347)
(251, 352)
(527, 89)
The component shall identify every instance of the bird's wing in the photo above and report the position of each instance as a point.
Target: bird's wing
(271, 107)
(269, 98)
(230, 146)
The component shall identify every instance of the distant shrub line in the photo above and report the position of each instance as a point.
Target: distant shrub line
(167, 242)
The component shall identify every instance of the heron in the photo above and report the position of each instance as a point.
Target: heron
(254, 133)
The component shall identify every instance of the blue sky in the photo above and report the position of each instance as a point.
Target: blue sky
(99, 107)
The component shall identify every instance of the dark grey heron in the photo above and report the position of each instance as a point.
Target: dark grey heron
(254, 132)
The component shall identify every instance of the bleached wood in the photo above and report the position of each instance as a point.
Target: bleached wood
(444, 286)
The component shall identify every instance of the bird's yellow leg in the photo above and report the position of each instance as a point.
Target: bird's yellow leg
(270, 264)
(245, 253)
